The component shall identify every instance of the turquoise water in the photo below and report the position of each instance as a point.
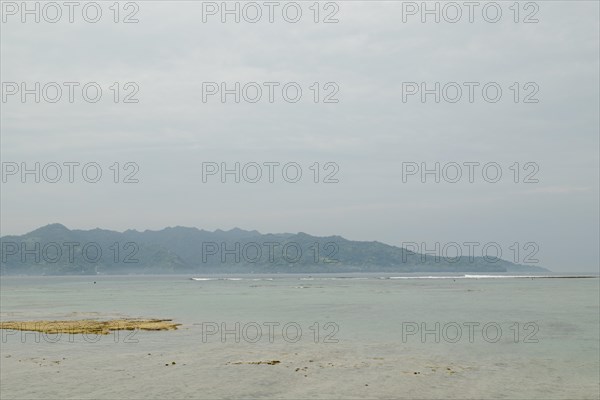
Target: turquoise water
(359, 336)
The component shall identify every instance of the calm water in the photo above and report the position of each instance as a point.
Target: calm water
(357, 337)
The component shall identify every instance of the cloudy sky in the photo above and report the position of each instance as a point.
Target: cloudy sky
(368, 126)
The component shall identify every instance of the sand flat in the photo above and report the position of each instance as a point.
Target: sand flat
(91, 326)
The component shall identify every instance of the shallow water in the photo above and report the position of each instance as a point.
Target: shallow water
(358, 336)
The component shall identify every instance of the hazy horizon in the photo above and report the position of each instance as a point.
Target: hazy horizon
(570, 270)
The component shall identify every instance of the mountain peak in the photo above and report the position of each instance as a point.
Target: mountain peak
(51, 228)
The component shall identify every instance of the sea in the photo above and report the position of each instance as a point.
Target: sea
(326, 336)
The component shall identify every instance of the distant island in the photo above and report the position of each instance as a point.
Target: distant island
(56, 250)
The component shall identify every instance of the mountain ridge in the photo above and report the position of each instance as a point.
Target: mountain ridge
(55, 249)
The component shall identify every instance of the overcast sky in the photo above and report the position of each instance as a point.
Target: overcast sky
(369, 134)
